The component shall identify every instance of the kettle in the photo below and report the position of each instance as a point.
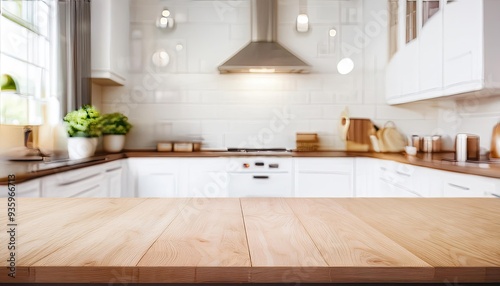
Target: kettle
(495, 142)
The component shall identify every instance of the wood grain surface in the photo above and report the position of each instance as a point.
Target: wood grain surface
(263, 240)
(275, 235)
(208, 232)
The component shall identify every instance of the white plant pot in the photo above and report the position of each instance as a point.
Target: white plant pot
(113, 143)
(81, 147)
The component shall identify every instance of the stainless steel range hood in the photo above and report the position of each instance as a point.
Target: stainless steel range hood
(264, 53)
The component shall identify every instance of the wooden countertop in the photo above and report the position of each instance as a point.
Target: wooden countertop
(197, 240)
(31, 170)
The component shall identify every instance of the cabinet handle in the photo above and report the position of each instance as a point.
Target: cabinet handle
(495, 195)
(79, 180)
(114, 169)
(403, 174)
(259, 163)
(458, 187)
(261, 177)
(84, 191)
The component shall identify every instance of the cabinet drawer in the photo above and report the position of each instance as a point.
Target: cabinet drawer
(70, 177)
(260, 185)
(92, 185)
(29, 189)
(461, 185)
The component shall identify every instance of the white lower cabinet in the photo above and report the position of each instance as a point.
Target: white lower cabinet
(463, 185)
(98, 181)
(214, 177)
(154, 177)
(28, 189)
(206, 177)
(324, 177)
(113, 173)
(383, 178)
(84, 182)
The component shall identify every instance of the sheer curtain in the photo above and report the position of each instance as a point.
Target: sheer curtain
(74, 83)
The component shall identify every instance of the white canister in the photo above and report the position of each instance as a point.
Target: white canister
(461, 147)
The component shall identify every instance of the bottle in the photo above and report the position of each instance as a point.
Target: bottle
(495, 142)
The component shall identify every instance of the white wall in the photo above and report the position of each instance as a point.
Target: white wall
(190, 98)
(475, 115)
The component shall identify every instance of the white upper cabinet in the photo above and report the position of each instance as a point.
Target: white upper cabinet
(455, 51)
(463, 46)
(430, 62)
(110, 41)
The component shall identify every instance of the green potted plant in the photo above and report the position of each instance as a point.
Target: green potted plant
(114, 127)
(83, 126)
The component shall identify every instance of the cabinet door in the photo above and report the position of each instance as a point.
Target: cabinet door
(110, 41)
(462, 185)
(431, 50)
(29, 189)
(463, 41)
(324, 177)
(161, 184)
(324, 185)
(113, 175)
(366, 176)
(409, 68)
(396, 180)
(114, 180)
(430, 182)
(84, 182)
(155, 177)
(207, 177)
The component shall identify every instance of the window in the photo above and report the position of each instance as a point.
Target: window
(411, 20)
(25, 43)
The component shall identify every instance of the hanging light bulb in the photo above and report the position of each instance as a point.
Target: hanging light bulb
(165, 20)
(345, 66)
(302, 23)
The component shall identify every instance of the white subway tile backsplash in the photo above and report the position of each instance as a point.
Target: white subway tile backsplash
(324, 126)
(296, 97)
(168, 97)
(333, 111)
(322, 97)
(190, 97)
(292, 126)
(213, 141)
(362, 111)
(239, 32)
(330, 142)
(214, 126)
(249, 127)
(242, 112)
(306, 111)
(264, 139)
(309, 82)
(409, 111)
(186, 128)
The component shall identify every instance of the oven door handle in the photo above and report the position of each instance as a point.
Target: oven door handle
(261, 177)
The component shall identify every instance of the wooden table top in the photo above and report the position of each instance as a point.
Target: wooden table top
(198, 240)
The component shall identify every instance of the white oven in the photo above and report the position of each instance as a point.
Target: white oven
(260, 177)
